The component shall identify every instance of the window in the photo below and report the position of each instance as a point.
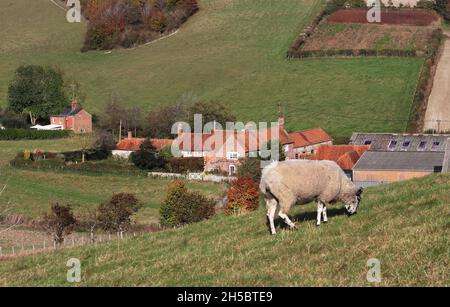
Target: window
(367, 142)
(422, 145)
(406, 144)
(54, 120)
(392, 144)
(232, 155)
(232, 170)
(435, 145)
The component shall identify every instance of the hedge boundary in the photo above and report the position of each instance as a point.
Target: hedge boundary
(31, 134)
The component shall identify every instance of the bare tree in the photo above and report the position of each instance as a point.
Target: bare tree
(5, 210)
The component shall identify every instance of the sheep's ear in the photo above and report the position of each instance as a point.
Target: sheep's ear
(359, 192)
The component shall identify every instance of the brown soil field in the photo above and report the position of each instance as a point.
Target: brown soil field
(388, 16)
(368, 36)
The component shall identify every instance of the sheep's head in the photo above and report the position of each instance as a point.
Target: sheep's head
(352, 203)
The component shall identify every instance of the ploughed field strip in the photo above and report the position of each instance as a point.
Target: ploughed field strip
(391, 17)
(367, 36)
(399, 30)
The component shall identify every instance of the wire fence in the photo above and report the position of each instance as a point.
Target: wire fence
(72, 241)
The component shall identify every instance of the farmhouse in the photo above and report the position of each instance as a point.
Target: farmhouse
(129, 145)
(222, 149)
(345, 156)
(396, 157)
(74, 118)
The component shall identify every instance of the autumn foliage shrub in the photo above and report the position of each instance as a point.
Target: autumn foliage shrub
(243, 196)
(184, 207)
(126, 23)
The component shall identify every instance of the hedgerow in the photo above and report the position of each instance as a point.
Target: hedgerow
(31, 134)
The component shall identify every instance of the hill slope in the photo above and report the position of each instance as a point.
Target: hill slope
(404, 225)
(232, 51)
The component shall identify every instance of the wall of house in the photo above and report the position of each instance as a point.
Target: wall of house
(300, 152)
(55, 120)
(220, 164)
(124, 154)
(82, 122)
(386, 176)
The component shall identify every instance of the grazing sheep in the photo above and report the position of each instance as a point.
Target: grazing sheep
(302, 181)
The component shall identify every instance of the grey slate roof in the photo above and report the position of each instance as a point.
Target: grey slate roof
(430, 161)
(401, 142)
(70, 112)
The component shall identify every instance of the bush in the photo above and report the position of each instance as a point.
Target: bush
(243, 196)
(251, 168)
(147, 157)
(185, 165)
(12, 120)
(115, 215)
(31, 134)
(59, 222)
(183, 207)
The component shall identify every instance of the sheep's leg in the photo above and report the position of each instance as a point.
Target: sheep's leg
(324, 213)
(286, 219)
(319, 212)
(271, 209)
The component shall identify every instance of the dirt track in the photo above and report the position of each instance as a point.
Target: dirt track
(437, 116)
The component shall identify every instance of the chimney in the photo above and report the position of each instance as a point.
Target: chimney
(130, 135)
(280, 117)
(74, 105)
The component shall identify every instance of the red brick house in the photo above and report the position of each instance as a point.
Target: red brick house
(235, 145)
(74, 118)
(129, 145)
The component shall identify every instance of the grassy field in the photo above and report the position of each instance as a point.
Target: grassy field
(231, 51)
(31, 192)
(404, 225)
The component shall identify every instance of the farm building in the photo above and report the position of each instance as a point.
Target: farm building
(345, 156)
(129, 145)
(73, 118)
(222, 149)
(396, 157)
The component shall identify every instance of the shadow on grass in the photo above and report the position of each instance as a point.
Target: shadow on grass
(310, 216)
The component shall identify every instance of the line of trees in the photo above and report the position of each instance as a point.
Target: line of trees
(113, 216)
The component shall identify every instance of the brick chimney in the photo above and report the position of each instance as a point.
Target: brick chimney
(74, 105)
(280, 117)
(130, 135)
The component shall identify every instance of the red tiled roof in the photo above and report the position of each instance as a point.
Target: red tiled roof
(299, 138)
(345, 156)
(133, 144)
(309, 137)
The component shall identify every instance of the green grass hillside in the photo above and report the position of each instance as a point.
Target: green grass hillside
(232, 51)
(404, 225)
(30, 192)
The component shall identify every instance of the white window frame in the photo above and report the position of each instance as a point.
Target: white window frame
(232, 155)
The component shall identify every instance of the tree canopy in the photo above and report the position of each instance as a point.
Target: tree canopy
(38, 91)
